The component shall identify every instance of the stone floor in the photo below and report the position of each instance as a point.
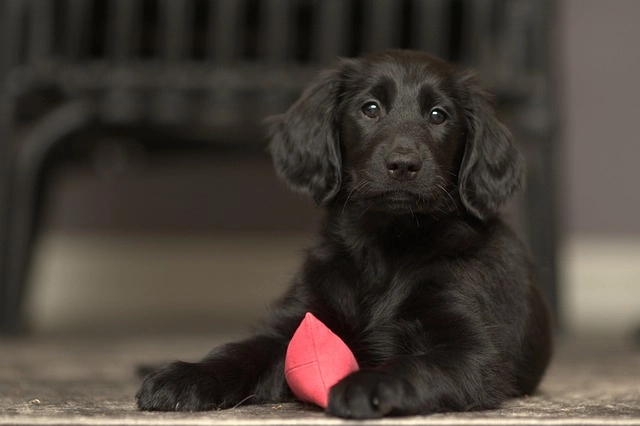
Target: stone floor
(90, 381)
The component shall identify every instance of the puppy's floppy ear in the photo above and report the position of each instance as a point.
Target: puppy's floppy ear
(492, 168)
(305, 142)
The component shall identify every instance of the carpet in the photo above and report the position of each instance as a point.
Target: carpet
(92, 381)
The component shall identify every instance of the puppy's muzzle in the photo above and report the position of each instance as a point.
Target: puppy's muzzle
(403, 164)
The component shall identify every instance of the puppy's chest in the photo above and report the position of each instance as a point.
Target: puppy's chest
(384, 324)
(376, 303)
(380, 340)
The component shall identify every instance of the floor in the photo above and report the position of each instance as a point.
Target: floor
(88, 381)
(78, 286)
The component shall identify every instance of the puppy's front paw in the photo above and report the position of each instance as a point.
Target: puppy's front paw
(180, 386)
(367, 395)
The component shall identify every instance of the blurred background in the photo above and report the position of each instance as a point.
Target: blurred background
(136, 195)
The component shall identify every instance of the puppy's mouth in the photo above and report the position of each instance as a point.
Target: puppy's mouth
(398, 202)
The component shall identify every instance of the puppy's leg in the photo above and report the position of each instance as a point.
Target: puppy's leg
(415, 385)
(454, 366)
(251, 370)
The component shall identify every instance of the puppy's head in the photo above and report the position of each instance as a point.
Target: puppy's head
(400, 132)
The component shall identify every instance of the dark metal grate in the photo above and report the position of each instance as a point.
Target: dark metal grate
(234, 54)
(487, 33)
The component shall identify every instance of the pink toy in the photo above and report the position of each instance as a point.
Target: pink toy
(316, 360)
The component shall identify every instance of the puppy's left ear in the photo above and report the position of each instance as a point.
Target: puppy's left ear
(492, 168)
(305, 142)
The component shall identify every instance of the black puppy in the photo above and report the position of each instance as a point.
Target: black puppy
(412, 267)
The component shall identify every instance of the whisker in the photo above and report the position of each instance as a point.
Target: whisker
(356, 188)
(442, 186)
(364, 211)
(432, 197)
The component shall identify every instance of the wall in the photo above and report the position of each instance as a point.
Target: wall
(601, 60)
(600, 196)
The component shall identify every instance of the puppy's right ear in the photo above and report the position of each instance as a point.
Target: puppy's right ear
(305, 142)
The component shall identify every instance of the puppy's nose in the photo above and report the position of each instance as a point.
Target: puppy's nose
(404, 165)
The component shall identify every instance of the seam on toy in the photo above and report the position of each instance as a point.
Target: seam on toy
(315, 352)
(300, 366)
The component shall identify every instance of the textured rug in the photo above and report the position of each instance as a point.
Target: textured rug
(76, 381)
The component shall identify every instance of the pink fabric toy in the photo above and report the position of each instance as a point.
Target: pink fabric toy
(316, 360)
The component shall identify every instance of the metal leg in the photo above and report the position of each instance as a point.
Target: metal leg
(8, 303)
(542, 226)
(21, 212)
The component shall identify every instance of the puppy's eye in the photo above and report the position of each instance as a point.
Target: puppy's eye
(371, 109)
(437, 116)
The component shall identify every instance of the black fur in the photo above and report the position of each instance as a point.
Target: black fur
(412, 268)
